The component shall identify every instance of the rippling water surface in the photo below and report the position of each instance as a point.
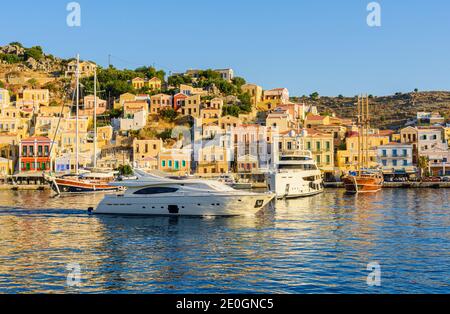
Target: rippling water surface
(320, 244)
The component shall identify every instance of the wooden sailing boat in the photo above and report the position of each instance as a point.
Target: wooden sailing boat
(364, 180)
(88, 182)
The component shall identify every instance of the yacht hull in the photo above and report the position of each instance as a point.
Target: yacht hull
(293, 185)
(182, 205)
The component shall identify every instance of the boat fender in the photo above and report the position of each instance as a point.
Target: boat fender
(90, 210)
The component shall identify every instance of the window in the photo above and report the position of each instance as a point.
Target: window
(394, 152)
(384, 154)
(405, 162)
(318, 146)
(327, 145)
(163, 163)
(384, 162)
(394, 162)
(170, 163)
(183, 163)
(155, 190)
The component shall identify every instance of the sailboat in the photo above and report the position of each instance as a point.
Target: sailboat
(87, 182)
(363, 180)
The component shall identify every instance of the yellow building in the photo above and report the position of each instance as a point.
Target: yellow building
(212, 160)
(87, 68)
(321, 146)
(4, 98)
(227, 122)
(255, 92)
(122, 99)
(210, 115)
(312, 120)
(38, 96)
(175, 161)
(280, 121)
(104, 136)
(160, 102)
(131, 107)
(191, 107)
(189, 90)
(6, 167)
(138, 82)
(347, 160)
(145, 153)
(447, 135)
(154, 83)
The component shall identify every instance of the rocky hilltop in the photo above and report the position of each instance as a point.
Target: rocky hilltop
(387, 111)
(21, 66)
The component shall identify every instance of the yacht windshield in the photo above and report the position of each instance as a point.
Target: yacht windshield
(155, 190)
(300, 166)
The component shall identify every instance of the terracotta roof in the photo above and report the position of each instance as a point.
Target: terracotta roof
(315, 117)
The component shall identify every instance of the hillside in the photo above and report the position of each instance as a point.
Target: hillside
(31, 67)
(387, 111)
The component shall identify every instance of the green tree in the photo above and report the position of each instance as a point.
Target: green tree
(125, 170)
(165, 135)
(16, 43)
(314, 96)
(10, 58)
(245, 105)
(32, 82)
(176, 80)
(423, 164)
(231, 110)
(238, 82)
(34, 52)
(168, 114)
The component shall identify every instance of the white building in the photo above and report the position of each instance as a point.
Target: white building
(137, 122)
(396, 158)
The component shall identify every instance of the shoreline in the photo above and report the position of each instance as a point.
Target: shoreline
(399, 185)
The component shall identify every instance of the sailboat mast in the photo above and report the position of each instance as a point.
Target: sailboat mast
(76, 118)
(95, 118)
(367, 131)
(359, 136)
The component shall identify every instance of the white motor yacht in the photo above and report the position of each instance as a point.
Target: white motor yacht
(296, 175)
(152, 195)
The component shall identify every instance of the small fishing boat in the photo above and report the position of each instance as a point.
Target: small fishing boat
(87, 182)
(364, 179)
(84, 183)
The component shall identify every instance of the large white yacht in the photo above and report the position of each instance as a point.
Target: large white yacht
(153, 195)
(296, 175)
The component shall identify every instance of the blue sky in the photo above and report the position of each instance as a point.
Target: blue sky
(306, 46)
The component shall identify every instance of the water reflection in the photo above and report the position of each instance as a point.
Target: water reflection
(317, 244)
